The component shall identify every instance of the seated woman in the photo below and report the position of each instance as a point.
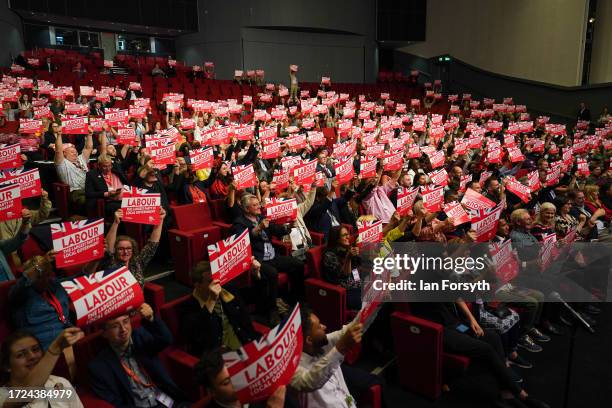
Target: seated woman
(157, 71)
(123, 250)
(545, 221)
(222, 180)
(28, 365)
(339, 265)
(193, 190)
(213, 317)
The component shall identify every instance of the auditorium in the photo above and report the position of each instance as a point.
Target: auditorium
(204, 203)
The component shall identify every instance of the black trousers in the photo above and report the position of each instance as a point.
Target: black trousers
(359, 381)
(293, 267)
(486, 351)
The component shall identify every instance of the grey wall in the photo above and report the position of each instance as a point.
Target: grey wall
(11, 34)
(559, 101)
(246, 35)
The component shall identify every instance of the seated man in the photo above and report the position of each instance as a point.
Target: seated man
(213, 375)
(128, 371)
(106, 182)
(320, 377)
(72, 167)
(213, 317)
(260, 232)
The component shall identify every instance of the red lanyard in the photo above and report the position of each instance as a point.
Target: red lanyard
(135, 377)
(55, 304)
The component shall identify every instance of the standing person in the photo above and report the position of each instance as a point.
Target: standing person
(583, 112)
(293, 88)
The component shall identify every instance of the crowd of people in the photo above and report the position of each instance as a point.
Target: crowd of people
(565, 170)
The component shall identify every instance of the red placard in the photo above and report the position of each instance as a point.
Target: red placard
(42, 112)
(201, 158)
(127, 136)
(27, 180)
(215, 137)
(520, 190)
(97, 124)
(137, 111)
(393, 161)
(304, 174)
(369, 232)
(485, 222)
(506, 264)
(436, 159)
(30, 125)
(10, 202)
(117, 118)
(552, 176)
(108, 63)
(271, 150)
(86, 90)
(548, 251)
(316, 138)
(282, 211)
(260, 367)
(75, 126)
(456, 211)
(515, 154)
(405, 200)
(244, 176)
(439, 177)
(281, 179)
(296, 142)
(139, 206)
(494, 155)
(476, 201)
(432, 198)
(78, 242)
(230, 257)
(244, 132)
(10, 156)
(134, 86)
(344, 171)
(187, 124)
(103, 295)
(367, 167)
(267, 134)
(163, 155)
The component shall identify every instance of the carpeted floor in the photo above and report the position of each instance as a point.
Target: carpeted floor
(591, 379)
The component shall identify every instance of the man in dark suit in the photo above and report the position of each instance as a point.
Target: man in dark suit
(106, 182)
(128, 371)
(584, 113)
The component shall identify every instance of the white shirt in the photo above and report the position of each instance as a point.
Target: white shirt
(69, 173)
(52, 382)
(319, 379)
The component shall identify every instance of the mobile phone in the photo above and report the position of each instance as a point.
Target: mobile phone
(462, 328)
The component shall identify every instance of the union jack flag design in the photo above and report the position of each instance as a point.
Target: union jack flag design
(230, 257)
(78, 242)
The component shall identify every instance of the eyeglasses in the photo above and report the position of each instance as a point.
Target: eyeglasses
(124, 249)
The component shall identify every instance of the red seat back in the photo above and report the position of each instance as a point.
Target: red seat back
(313, 261)
(170, 315)
(191, 216)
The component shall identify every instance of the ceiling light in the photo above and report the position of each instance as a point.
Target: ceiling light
(592, 20)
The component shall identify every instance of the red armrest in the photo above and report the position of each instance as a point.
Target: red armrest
(181, 367)
(328, 302)
(154, 295)
(88, 399)
(225, 228)
(284, 248)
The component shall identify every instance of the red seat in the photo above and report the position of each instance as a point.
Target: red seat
(423, 366)
(327, 300)
(188, 242)
(61, 192)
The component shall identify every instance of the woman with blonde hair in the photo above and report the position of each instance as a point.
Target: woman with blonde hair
(545, 221)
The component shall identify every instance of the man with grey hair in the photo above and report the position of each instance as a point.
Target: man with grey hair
(72, 167)
(260, 233)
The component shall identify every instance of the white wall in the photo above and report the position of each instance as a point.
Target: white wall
(601, 59)
(539, 40)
